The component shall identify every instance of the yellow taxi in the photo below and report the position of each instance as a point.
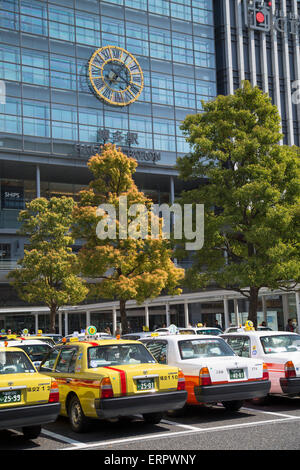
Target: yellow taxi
(28, 399)
(110, 379)
(39, 336)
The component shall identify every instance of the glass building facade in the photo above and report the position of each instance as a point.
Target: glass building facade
(51, 121)
(44, 51)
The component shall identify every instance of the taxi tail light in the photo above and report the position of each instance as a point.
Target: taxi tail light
(265, 372)
(289, 370)
(181, 381)
(54, 393)
(106, 388)
(204, 377)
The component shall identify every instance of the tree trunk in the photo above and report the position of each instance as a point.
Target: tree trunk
(124, 321)
(253, 305)
(53, 310)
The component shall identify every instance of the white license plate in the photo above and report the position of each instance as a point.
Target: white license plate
(11, 396)
(145, 384)
(236, 374)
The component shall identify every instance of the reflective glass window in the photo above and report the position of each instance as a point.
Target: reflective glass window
(91, 117)
(9, 20)
(164, 142)
(140, 123)
(9, 54)
(116, 120)
(36, 59)
(10, 124)
(136, 46)
(64, 130)
(161, 7)
(182, 40)
(163, 126)
(36, 127)
(64, 113)
(204, 60)
(35, 75)
(140, 4)
(204, 44)
(112, 25)
(185, 100)
(61, 31)
(12, 5)
(162, 81)
(33, 25)
(183, 55)
(36, 109)
(203, 16)
(86, 20)
(184, 84)
(137, 31)
(162, 96)
(87, 36)
(181, 11)
(160, 36)
(36, 8)
(63, 15)
(160, 51)
(11, 106)
(88, 134)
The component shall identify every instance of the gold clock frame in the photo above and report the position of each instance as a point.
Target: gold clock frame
(103, 56)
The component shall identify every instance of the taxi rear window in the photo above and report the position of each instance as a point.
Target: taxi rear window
(212, 331)
(14, 362)
(280, 343)
(121, 354)
(192, 349)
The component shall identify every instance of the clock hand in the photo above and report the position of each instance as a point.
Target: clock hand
(122, 78)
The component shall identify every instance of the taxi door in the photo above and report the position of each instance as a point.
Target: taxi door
(64, 373)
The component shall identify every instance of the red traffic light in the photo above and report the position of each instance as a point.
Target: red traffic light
(260, 17)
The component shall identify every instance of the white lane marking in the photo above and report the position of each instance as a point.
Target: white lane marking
(178, 433)
(173, 423)
(59, 437)
(283, 415)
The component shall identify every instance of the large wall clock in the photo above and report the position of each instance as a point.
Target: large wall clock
(115, 75)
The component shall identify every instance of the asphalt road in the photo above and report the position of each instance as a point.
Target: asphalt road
(270, 427)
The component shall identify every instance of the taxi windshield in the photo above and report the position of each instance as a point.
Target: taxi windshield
(280, 343)
(112, 355)
(14, 362)
(194, 348)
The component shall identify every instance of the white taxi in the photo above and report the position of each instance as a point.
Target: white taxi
(203, 330)
(213, 372)
(280, 350)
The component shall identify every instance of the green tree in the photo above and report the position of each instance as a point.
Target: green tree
(251, 195)
(49, 271)
(126, 268)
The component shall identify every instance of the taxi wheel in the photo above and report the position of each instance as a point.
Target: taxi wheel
(234, 405)
(31, 432)
(152, 418)
(78, 421)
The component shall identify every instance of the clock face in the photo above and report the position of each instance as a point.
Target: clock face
(115, 75)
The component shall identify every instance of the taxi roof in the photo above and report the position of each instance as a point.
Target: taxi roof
(179, 337)
(27, 342)
(97, 342)
(258, 333)
(10, 349)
